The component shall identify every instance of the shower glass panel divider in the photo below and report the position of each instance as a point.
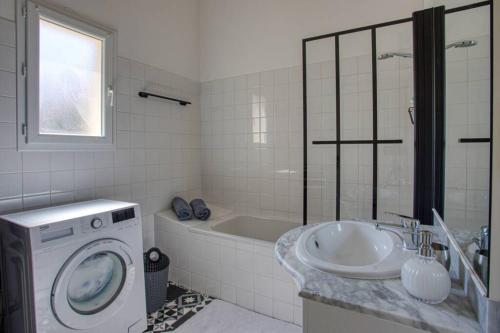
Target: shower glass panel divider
(338, 142)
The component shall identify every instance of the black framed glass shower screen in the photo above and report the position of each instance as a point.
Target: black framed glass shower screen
(392, 146)
(358, 137)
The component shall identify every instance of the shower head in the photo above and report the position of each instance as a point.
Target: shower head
(458, 44)
(388, 55)
(461, 44)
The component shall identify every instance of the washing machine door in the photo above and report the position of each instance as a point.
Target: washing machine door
(93, 284)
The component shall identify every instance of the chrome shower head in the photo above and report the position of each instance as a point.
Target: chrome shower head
(458, 44)
(461, 44)
(388, 55)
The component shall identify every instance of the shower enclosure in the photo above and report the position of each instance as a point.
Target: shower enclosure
(368, 151)
(358, 120)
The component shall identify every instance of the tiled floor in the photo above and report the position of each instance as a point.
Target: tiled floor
(181, 304)
(218, 317)
(224, 317)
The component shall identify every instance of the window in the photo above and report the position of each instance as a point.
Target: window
(65, 92)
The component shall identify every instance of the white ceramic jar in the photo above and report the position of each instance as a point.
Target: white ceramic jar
(423, 276)
(426, 279)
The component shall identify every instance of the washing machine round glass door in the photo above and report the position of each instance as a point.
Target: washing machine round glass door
(93, 284)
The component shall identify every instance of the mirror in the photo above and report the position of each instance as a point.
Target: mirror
(468, 133)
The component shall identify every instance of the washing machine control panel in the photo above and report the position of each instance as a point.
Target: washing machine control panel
(54, 234)
(117, 218)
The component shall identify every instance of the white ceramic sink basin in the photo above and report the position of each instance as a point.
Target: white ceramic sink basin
(352, 249)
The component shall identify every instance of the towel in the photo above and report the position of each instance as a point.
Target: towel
(200, 209)
(182, 209)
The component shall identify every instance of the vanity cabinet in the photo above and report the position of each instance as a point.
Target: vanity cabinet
(324, 318)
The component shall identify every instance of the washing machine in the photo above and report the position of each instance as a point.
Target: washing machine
(73, 268)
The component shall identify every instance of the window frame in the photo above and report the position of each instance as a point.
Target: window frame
(29, 137)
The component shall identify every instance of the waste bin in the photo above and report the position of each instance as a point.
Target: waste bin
(156, 277)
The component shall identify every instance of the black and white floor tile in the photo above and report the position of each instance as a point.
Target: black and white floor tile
(181, 304)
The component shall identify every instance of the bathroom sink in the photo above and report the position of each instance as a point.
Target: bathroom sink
(352, 249)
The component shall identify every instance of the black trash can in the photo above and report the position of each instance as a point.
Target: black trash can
(156, 277)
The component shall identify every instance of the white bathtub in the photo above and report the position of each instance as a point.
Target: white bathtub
(231, 257)
(267, 230)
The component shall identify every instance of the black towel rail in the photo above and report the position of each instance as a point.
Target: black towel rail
(473, 140)
(145, 94)
(357, 142)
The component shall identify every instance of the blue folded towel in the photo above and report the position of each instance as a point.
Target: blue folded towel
(200, 209)
(182, 209)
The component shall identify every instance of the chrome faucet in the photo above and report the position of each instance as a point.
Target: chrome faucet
(483, 240)
(408, 230)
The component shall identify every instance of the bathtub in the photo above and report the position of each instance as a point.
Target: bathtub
(231, 257)
(267, 230)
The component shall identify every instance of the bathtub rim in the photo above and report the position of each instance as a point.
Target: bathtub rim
(221, 215)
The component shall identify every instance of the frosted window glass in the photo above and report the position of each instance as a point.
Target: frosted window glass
(70, 82)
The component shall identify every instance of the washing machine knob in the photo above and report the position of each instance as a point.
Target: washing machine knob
(96, 223)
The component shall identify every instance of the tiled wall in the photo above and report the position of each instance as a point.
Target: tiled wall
(157, 152)
(468, 116)
(252, 142)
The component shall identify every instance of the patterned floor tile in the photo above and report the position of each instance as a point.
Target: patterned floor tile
(180, 305)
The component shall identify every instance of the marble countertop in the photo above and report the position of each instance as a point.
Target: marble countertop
(382, 298)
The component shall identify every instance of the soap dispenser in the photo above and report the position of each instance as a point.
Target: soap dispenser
(423, 276)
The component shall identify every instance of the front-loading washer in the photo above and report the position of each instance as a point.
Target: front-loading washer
(77, 267)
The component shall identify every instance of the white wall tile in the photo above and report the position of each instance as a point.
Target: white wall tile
(283, 291)
(84, 160)
(36, 183)
(283, 311)
(298, 315)
(104, 177)
(245, 299)
(123, 121)
(84, 179)
(7, 84)
(37, 201)
(7, 110)
(228, 293)
(7, 9)
(136, 70)
(62, 181)
(61, 198)
(8, 136)
(11, 161)
(123, 66)
(263, 285)
(10, 205)
(7, 32)
(103, 160)
(10, 185)
(263, 305)
(36, 161)
(62, 161)
(7, 58)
